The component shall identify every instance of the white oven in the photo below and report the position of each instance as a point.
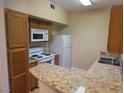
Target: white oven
(40, 56)
(39, 35)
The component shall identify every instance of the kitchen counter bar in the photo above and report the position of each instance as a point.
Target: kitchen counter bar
(100, 78)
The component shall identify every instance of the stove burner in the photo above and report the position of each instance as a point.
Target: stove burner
(46, 54)
(34, 55)
(39, 56)
(42, 53)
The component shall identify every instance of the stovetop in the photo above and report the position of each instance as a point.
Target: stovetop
(39, 54)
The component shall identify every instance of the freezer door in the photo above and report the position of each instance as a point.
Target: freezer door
(66, 57)
(66, 40)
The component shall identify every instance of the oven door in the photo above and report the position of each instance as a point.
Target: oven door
(49, 60)
(37, 35)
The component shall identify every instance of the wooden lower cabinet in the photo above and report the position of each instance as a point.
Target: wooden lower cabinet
(56, 62)
(18, 70)
(49, 32)
(33, 80)
(20, 84)
(18, 61)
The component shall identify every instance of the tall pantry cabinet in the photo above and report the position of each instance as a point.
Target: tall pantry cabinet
(115, 39)
(17, 47)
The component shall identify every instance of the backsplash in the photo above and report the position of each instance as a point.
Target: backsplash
(45, 45)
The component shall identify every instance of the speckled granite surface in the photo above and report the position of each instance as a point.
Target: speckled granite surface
(100, 78)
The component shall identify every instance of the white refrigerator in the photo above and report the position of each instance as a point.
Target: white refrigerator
(61, 44)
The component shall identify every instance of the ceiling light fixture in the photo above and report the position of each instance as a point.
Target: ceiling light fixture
(86, 2)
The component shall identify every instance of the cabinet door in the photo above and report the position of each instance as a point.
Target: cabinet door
(20, 84)
(43, 25)
(33, 82)
(34, 23)
(56, 60)
(115, 39)
(49, 32)
(17, 46)
(18, 70)
(16, 29)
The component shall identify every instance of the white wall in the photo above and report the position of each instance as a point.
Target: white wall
(40, 8)
(89, 30)
(4, 87)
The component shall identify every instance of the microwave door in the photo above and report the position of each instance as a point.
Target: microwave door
(39, 35)
(36, 35)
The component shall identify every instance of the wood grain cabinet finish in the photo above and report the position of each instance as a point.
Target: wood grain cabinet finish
(34, 23)
(33, 80)
(18, 61)
(49, 32)
(115, 39)
(17, 46)
(16, 28)
(43, 25)
(56, 60)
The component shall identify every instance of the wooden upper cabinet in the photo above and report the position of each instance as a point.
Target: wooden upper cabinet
(43, 25)
(34, 23)
(115, 39)
(16, 29)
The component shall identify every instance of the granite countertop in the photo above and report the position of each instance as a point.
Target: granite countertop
(100, 78)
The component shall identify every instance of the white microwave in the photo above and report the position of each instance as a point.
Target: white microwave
(39, 35)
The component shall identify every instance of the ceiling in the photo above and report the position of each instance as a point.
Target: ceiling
(75, 5)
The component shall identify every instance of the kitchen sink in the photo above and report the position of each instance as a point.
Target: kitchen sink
(109, 59)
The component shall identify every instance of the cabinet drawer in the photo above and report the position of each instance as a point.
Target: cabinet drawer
(33, 64)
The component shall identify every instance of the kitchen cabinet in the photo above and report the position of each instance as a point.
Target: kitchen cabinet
(56, 62)
(43, 25)
(16, 29)
(38, 23)
(33, 80)
(49, 31)
(34, 23)
(115, 39)
(17, 46)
